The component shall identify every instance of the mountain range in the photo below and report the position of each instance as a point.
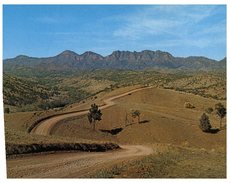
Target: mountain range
(147, 59)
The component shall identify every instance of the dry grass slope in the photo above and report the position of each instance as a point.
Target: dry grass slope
(167, 120)
(170, 162)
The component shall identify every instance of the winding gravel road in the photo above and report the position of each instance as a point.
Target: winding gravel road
(44, 127)
(71, 164)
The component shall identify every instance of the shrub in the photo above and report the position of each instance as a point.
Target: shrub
(209, 110)
(12, 149)
(189, 105)
(52, 104)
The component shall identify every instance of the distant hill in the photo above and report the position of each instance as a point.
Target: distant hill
(69, 60)
(222, 63)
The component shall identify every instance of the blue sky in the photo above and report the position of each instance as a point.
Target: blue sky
(47, 30)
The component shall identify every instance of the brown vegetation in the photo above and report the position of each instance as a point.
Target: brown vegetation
(15, 149)
(189, 105)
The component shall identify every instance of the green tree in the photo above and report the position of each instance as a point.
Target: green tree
(220, 111)
(205, 123)
(94, 114)
(135, 114)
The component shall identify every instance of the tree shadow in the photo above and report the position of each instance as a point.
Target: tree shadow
(144, 121)
(114, 131)
(213, 130)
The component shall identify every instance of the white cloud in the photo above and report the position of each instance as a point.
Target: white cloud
(188, 42)
(160, 20)
(146, 26)
(48, 20)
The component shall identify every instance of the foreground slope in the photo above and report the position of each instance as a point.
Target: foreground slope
(167, 127)
(181, 148)
(164, 116)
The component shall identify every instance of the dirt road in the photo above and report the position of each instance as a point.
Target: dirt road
(71, 165)
(44, 128)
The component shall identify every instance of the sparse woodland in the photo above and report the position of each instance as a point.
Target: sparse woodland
(26, 93)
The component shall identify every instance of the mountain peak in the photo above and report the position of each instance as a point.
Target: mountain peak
(21, 57)
(67, 52)
(91, 55)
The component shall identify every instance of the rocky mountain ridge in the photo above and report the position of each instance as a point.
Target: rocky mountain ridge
(146, 59)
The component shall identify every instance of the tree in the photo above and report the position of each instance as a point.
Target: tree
(135, 114)
(94, 114)
(220, 111)
(205, 123)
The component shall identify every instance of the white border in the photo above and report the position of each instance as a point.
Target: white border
(2, 138)
(2, 132)
(228, 29)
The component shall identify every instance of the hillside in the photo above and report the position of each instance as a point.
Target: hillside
(26, 93)
(69, 60)
(20, 91)
(164, 117)
(180, 148)
(171, 130)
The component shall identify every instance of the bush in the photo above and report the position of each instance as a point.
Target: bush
(52, 104)
(189, 105)
(209, 110)
(12, 149)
